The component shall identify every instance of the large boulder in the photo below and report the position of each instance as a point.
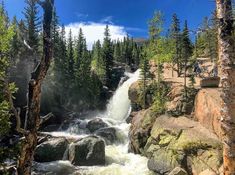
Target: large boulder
(51, 150)
(87, 152)
(109, 134)
(178, 171)
(177, 104)
(141, 126)
(133, 95)
(181, 142)
(208, 109)
(96, 124)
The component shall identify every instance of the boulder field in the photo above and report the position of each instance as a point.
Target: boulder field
(179, 142)
(87, 151)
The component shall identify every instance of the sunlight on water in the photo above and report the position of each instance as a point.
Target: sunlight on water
(119, 104)
(118, 160)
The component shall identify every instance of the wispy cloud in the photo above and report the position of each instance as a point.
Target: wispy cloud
(95, 31)
(107, 20)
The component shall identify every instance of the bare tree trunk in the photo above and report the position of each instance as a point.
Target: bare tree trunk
(34, 94)
(225, 41)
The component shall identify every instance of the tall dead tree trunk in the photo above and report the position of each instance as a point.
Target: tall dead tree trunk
(34, 94)
(226, 59)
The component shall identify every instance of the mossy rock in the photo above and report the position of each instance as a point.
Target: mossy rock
(184, 143)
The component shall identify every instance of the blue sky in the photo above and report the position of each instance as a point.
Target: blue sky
(126, 16)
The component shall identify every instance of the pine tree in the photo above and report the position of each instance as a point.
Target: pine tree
(55, 33)
(85, 67)
(6, 36)
(135, 55)
(98, 64)
(70, 56)
(175, 35)
(145, 75)
(186, 52)
(60, 58)
(117, 52)
(107, 56)
(155, 29)
(79, 48)
(32, 25)
(16, 45)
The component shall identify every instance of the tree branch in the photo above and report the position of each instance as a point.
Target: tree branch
(45, 118)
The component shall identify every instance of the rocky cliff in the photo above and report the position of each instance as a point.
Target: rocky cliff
(185, 139)
(207, 109)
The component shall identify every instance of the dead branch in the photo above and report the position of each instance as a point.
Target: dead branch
(45, 118)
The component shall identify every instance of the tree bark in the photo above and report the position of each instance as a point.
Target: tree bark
(34, 94)
(227, 69)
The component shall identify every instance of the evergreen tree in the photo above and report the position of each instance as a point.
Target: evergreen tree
(6, 89)
(85, 66)
(186, 52)
(16, 45)
(145, 75)
(206, 42)
(80, 46)
(155, 29)
(6, 35)
(175, 35)
(55, 34)
(117, 52)
(107, 56)
(70, 56)
(98, 64)
(32, 25)
(135, 54)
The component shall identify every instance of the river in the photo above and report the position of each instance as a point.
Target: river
(118, 160)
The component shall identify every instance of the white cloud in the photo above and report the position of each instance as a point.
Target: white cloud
(107, 19)
(95, 31)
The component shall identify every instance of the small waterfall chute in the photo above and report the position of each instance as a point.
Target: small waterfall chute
(119, 105)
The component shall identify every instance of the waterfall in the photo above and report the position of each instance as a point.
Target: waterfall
(119, 105)
(118, 160)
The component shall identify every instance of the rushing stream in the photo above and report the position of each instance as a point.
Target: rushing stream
(118, 160)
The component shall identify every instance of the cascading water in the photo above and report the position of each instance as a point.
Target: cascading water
(119, 105)
(118, 160)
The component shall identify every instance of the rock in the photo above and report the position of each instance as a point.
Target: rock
(96, 124)
(87, 152)
(54, 168)
(207, 172)
(208, 109)
(177, 104)
(51, 150)
(181, 142)
(133, 94)
(131, 116)
(109, 134)
(117, 73)
(141, 126)
(178, 171)
(123, 79)
(210, 82)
